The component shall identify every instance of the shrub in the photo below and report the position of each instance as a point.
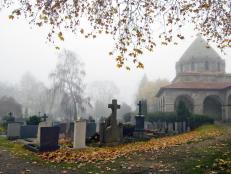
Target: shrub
(161, 116)
(34, 120)
(198, 120)
(194, 120)
(182, 112)
(127, 117)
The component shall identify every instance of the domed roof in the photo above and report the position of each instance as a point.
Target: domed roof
(200, 50)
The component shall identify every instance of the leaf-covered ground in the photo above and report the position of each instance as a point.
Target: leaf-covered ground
(206, 150)
(92, 155)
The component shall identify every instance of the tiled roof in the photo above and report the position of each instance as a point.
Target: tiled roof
(196, 85)
(200, 49)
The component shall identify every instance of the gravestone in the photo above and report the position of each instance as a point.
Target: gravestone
(42, 124)
(159, 125)
(20, 120)
(62, 127)
(139, 127)
(70, 130)
(91, 128)
(110, 131)
(128, 130)
(48, 141)
(13, 130)
(165, 127)
(139, 123)
(176, 127)
(170, 127)
(155, 125)
(102, 132)
(184, 129)
(44, 117)
(148, 125)
(180, 127)
(28, 131)
(49, 138)
(80, 135)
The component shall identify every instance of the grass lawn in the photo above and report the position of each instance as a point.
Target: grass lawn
(205, 150)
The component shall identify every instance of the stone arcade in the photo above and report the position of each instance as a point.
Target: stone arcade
(200, 82)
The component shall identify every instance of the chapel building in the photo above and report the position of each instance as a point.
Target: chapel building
(201, 83)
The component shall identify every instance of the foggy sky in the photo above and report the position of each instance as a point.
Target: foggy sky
(25, 50)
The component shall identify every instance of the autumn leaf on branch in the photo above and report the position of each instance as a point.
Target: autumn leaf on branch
(60, 35)
(132, 24)
(11, 17)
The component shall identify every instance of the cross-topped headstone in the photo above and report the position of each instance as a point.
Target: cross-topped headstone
(44, 117)
(140, 107)
(114, 106)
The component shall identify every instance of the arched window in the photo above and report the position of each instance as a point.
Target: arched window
(192, 66)
(206, 65)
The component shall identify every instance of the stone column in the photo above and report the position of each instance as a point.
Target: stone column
(198, 108)
(79, 135)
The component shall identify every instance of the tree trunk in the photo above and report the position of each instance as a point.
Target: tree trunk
(75, 111)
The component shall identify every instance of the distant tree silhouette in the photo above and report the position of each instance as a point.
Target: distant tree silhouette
(10, 105)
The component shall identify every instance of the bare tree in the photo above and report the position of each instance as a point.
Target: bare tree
(124, 109)
(102, 90)
(68, 78)
(132, 23)
(32, 94)
(10, 105)
(101, 93)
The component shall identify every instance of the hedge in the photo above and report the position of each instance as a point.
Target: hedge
(198, 120)
(161, 116)
(194, 120)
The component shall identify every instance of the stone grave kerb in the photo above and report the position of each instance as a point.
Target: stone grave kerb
(114, 106)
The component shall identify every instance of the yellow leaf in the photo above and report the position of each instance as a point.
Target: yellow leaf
(11, 17)
(60, 35)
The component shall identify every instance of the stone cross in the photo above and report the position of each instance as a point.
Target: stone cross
(44, 117)
(140, 107)
(114, 106)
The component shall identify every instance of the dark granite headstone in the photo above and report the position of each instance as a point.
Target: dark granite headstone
(139, 123)
(91, 129)
(62, 126)
(28, 131)
(49, 137)
(102, 132)
(128, 131)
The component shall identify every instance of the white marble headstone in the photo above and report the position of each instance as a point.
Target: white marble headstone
(79, 134)
(13, 130)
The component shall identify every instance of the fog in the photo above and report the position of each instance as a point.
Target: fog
(24, 48)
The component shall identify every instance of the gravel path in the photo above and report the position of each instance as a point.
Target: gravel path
(10, 164)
